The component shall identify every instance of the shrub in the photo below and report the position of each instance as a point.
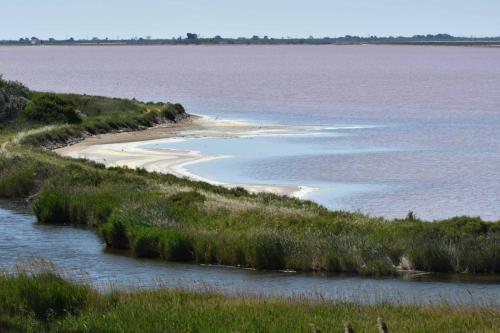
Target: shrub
(173, 111)
(13, 99)
(51, 108)
(239, 191)
(13, 88)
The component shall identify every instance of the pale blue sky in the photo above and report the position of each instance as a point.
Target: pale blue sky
(232, 18)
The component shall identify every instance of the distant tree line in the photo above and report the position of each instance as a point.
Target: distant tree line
(193, 38)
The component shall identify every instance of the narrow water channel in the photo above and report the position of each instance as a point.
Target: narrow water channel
(82, 254)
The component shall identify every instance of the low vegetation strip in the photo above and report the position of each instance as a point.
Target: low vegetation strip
(162, 216)
(45, 302)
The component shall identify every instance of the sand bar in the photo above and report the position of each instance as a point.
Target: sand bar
(125, 149)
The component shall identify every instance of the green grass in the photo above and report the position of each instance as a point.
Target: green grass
(44, 302)
(139, 117)
(161, 216)
(93, 106)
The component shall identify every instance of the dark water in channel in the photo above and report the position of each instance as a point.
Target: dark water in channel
(434, 149)
(82, 255)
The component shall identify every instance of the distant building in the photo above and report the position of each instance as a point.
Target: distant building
(35, 41)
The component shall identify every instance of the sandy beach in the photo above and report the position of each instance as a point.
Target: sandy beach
(125, 149)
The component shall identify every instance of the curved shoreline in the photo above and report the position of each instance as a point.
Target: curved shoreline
(124, 149)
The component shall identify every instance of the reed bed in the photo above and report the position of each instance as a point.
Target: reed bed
(43, 301)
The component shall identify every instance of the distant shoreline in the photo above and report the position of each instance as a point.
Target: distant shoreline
(449, 44)
(196, 39)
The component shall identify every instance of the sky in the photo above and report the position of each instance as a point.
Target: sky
(233, 18)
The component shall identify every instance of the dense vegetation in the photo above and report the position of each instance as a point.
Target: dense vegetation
(162, 216)
(72, 117)
(47, 303)
(50, 108)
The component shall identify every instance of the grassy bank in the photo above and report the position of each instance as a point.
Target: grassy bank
(100, 115)
(47, 303)
(162, 216)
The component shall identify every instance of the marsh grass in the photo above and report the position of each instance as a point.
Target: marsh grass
(163, 216)
(46, 302)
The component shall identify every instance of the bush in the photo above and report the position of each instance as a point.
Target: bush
(13, 99)
(173, 111)
(239, 191)
(13, 88)
(51, 108)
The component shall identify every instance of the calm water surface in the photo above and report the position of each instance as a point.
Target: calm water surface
(431, 141)
(83, 256)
